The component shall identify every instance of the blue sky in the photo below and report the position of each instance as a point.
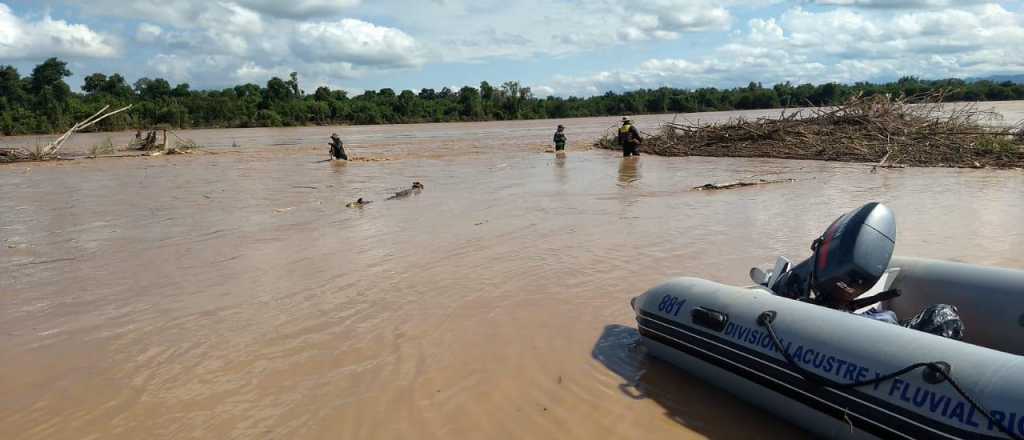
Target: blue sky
(562, 47)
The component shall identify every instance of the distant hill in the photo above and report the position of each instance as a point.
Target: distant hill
(1019, 79)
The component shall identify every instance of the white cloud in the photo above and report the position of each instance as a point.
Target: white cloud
(687, 15)
(842, 45)
(482, 30)
(603, 22)
(695, 42)
(198, 13)
(230, 18)
(147, 33)
(899, 4)
(219, 42)
(355, 41)
(668, 19)
(731, 65)
(299, 9)
(852, 34)
(172, 67)
(21, 38)
(252, 73)
(310, 32)
(168, 12)
(311, 75)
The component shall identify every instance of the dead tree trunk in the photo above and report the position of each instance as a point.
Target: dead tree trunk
(52, 149)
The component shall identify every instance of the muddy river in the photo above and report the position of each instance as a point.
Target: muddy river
(233, 295)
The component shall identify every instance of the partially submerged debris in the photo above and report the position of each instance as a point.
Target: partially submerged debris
(914, 131)
(102, 149)
(739, 184)
(358, 203)
(149, 141)
(157, 144)
(9, 154)
(52, 150)
(416, 188)
(144, 146)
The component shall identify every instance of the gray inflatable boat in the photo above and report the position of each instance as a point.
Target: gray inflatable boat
(796, 346)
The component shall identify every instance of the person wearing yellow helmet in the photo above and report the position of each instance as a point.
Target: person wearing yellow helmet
(629, 138)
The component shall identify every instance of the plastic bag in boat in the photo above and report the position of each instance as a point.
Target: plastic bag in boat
(887, 316)
(939, 319)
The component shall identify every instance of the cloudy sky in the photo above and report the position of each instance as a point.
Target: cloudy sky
(561, 47)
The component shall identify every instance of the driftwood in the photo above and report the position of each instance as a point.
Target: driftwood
(739, 184)
(52, 150)
(911, 131)
(152, 147)
(416, 189)
(10, 154)
(358, 203)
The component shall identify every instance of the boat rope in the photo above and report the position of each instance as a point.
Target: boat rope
(937, 370)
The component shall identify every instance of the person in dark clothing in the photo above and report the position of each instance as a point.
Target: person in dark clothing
(629, 138)
(560, 138)
(337, 148)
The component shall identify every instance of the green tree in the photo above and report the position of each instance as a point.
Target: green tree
(51, 93)
(12, 89)
(278, 90)
(510, 94)
(43, 102)
(94, 83)
(427, 94)
(293, 84)
(322, 94)
(49, 76)
(116, 86)
(181, 91)
(152, 89)
(471, 104)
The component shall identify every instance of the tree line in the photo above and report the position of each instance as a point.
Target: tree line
(43, 102)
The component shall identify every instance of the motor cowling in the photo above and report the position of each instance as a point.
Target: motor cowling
(849, 258)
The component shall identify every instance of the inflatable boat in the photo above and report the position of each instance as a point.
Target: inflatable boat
(798, 343)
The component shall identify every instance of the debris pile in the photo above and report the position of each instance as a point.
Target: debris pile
(914, 131)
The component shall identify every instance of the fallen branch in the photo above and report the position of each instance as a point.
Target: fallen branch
(739, 184)
(51, 150)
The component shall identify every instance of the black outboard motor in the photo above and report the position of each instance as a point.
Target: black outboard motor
(848, 259)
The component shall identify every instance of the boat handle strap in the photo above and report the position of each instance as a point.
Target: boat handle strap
(939, 370)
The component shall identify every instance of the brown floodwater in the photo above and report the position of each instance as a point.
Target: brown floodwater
(234, 295)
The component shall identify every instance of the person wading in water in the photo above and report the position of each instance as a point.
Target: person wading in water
(560, 138)
(337, 148)
(629, 139)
